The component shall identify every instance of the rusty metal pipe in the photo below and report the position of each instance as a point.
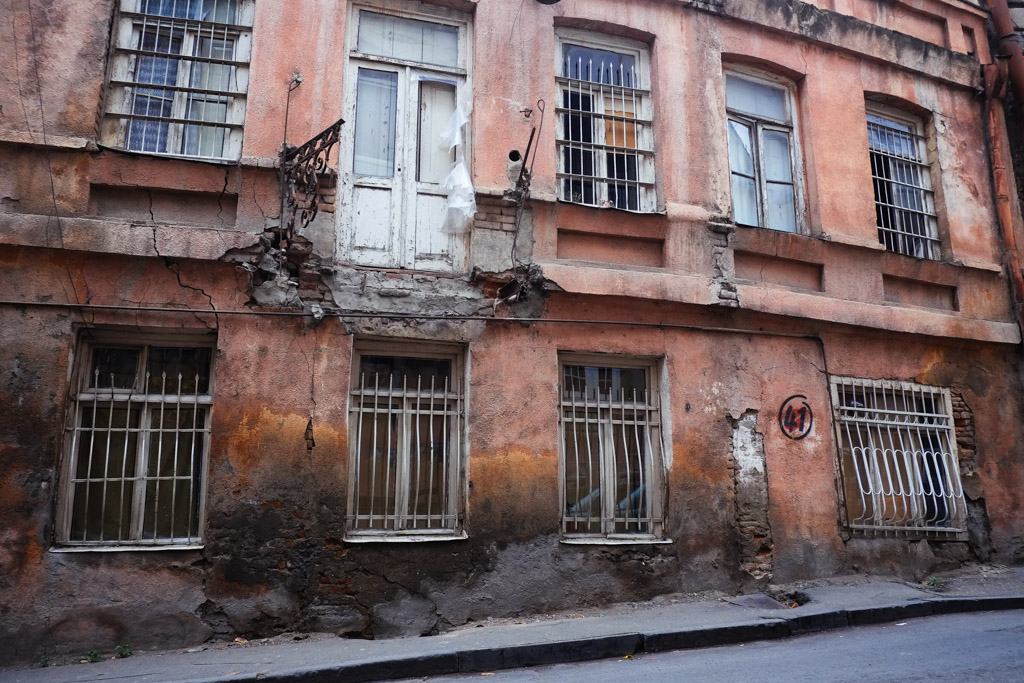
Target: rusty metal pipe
(1002, 172)
(1009, 46)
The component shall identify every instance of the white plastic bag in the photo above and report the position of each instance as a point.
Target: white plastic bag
(461, 205)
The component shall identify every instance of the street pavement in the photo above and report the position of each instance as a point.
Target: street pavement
(979, 647)
(491, 646)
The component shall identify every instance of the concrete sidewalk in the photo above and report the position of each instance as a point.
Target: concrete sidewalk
(502, 645)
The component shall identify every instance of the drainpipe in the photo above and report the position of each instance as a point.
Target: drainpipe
(1002, 169)
(1009, 46)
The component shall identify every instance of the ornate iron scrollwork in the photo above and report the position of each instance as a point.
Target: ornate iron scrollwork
(305, 175)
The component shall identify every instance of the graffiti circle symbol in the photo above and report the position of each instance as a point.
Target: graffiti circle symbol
(795, 417)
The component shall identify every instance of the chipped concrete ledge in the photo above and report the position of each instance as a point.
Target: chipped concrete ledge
(876, 316)
(616, 280)
(104, 235)
(840, 32)
(41, 140)
(583, 278)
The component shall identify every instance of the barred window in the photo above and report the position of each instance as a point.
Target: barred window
(604, 127)
(898, 458)
(178, 77)
(406, 451)
(611, 452)
(137, 442)
(904, 203)
(762, 157)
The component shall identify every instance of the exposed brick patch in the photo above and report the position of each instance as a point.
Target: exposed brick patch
(495, 213)
(963, 426)
(721, 229)
(326, 194)
(750, 482)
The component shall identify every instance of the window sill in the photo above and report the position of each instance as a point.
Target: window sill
(651, 212)
(120, 548)
(907, 534)
(404, 538)
(616, 540)
(174, 157)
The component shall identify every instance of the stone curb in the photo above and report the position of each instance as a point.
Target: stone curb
(619, 645)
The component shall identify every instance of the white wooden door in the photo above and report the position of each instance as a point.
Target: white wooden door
(394, 215)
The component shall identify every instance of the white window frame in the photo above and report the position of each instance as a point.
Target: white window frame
(641, 146)
(898, 463)
(149, 446)
(366, 399)
(399, 247)
(174, 128)
(911, 231)
(761, 123)
(648, 527)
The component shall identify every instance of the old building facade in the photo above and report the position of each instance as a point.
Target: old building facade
(383, 316)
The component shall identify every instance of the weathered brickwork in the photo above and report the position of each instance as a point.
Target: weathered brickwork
(963, 423)
(495, 213)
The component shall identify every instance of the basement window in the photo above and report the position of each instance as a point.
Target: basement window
(609, 417)
(406, 426)
(137, 442)
(762, 153)
(898, 459)
(904, 202)
(178, 77)
(604, 129)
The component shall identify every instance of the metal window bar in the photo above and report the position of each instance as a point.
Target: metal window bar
(184, 78)
(607, 459)
(903, 198)
(898, 458)
(602, 140)
(132, 476)
(406, 455)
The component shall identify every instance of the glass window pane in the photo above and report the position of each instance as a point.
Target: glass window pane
(430, 446)
(166, 364)
(392, 371)
(376, 122)
(620, 133)
(377, 482)
(208, 10)
(107, 449)
(755, 98)
(599, 66)
(630, 444)
(777, 164)
(582, 449)
(603, 383)
(437, 102)
(173, 471)
(409, 39)
(210, 76)
(744, 200)
(113, 368)
(781, 206)
(741, 149)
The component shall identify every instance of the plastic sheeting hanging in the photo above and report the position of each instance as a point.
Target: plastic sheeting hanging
(461, 205)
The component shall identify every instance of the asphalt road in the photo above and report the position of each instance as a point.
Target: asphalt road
(986, 646)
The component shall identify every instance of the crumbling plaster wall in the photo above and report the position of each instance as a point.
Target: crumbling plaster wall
(275, 557)
(982, 378)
